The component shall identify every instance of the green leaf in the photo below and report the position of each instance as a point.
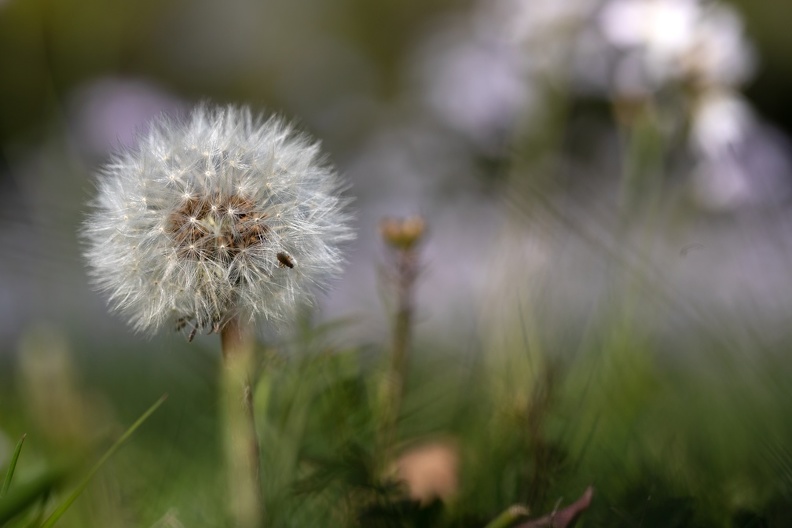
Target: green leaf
(12, 466)
(60, 510)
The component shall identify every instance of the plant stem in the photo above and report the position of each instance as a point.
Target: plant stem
(406, 274)
(241, 442)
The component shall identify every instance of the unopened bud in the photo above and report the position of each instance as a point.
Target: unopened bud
(403, 233)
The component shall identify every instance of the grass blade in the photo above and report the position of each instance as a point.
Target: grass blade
(508, 517)
(26, 494)
(12, 466)
(60, 510)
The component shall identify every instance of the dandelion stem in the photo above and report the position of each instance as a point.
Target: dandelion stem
(241, 441)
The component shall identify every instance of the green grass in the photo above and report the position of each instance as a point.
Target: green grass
(666, 439)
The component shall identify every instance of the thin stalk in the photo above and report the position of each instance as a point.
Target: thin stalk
(243, 461)
(406, 275)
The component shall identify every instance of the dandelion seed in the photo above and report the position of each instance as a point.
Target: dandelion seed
(251, 225)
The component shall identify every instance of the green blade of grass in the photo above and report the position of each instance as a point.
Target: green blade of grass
(12, 466)
(60, 510)
(26, 494)
(511, 515)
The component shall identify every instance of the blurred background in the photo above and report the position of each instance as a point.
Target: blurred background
(606, 187)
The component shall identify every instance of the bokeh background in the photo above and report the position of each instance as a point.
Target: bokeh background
(606, 185)
(416, 103)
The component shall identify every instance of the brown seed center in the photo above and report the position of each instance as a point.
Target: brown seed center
(217, 228)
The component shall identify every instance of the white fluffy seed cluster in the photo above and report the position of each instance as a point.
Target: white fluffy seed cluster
(225, 215)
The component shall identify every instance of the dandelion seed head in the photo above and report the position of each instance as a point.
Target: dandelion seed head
(224, 215)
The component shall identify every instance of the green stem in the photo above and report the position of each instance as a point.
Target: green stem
(406, 276)
(242, 454)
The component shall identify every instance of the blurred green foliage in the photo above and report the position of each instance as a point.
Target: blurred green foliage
(663, 444)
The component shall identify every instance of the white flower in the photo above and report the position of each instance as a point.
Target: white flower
(226, 215)
(665, 27)
(739, 160)
(721, 54)
(474, 85)
(678, 41)
(540, 22)
(720, 120)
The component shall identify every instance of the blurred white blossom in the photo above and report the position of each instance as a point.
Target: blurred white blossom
(721, 54)
(664, 27)
(676, 41)
(699, 49)
(226, 215)
(481, 69)
(720, 120)
(739, 161)
(474, 84)
(546, 30)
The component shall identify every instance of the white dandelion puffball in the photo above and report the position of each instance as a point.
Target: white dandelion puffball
(225, 215)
